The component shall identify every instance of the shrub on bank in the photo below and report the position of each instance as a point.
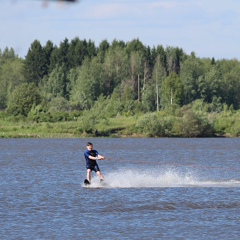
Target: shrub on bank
(228, 123)
(154, 126)
(185, 122)
(188, 123)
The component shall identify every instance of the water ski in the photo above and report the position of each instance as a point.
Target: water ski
(86, 182)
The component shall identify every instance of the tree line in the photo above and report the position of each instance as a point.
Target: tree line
(126, 77)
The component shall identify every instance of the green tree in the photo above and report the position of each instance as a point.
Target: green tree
(231, 89)
(63, 58)
(108, 81)
(60, 56)
(47, 50)
(91, 49)
(136, 67)
(119, 44)
(59, 104)
(7, 54)
(87, 88)
(23, 98)
(174, 56)
(10, 77)
(74, 53)
(191, 70)
(231, 82)
(135, 46)
(114, 106)
(35, 64)
(172, 91)
(149, 97)
(210, 85)
(156, 53)
(72, 79)
(102, 49)
(158, 75)
(115, 65)
(56, 84)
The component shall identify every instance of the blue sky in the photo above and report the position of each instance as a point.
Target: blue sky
(210, 28)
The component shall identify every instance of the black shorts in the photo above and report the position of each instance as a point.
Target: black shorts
(94, 168)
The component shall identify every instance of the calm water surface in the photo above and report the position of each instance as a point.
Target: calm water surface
(156, 189)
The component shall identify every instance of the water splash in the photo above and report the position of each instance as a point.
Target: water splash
(157, 179)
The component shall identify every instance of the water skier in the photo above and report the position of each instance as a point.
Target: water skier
(91, 155)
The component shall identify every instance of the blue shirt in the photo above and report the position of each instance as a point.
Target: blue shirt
(90, 162)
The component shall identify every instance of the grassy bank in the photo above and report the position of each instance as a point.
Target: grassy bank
(114, 127)
(161, 124)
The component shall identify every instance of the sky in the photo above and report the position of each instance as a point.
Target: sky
(210, 28)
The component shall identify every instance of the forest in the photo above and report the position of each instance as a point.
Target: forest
(118, 88)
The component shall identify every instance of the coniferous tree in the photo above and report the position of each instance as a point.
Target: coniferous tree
(173, 58)
(102, 49)
(91, 49)
(48, 49)
(63, 54)
(35, 64)
(8, 54)
(118, 44)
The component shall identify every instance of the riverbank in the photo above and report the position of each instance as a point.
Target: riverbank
(117, 127)
(121, 127)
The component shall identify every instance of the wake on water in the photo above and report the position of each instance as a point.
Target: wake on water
(149, 179)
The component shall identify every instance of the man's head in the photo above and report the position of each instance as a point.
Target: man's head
(89, 146)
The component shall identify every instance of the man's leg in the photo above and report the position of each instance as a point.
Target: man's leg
(89, 174)
(100, 175)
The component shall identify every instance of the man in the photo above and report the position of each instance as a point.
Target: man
(91, 157)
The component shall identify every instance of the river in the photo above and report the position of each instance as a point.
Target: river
(155, 188)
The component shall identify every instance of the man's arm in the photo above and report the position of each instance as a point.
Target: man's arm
(98, 157)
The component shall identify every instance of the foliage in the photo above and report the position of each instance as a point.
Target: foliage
(87, 122)
(196, 124)
(191, 69)
(56, 84)
(10, 77)
(228, 122)
(191, 97)
(172, 91)
(35, 64)
(40, 114)
(194, 121)
(154, 126)
(87, 87)
(149, 97)
(72, 126)
(23, 98)
(186, 122)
